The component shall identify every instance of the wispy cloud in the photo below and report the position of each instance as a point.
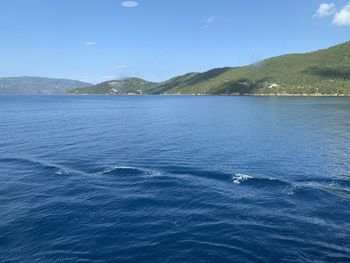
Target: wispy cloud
(325, 9)
(342, 18)
(130, 4)
(209, 22)
(90, 43)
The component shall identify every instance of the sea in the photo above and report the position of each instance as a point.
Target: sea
(174, 179)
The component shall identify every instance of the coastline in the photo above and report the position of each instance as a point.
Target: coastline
(223, 95)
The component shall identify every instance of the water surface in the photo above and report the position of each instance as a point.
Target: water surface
(174, 179)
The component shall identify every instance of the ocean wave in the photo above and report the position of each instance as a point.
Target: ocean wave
(238, 178)
(198, 173)
(23, 161)
(116, 168)
(339, 187)
(334, 186)
(36, 165)
(129, 170)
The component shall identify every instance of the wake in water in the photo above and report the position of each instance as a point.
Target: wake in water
(340, 187)
(167, 203)
(129, 170)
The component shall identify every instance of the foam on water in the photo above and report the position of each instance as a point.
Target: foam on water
(62, 171)
(152, 174)
(117, 168)
(130, 170)
(238, 178)
(338, 187)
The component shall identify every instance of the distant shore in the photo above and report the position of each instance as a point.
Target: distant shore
(224, 95)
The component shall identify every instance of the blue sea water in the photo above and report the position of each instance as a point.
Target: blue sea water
(174, 179)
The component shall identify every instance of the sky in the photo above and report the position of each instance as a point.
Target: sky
(99, 40)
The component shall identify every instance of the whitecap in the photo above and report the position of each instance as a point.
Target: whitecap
(62, 172)
(238, 178)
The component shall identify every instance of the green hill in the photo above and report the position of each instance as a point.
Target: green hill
(117, 87)
(324, 71)
(38, 85)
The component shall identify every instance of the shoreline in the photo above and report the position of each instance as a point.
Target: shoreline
(209, 95)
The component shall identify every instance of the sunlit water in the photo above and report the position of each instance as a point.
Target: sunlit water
(174, 179)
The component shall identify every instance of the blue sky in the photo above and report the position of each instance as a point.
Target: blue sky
(97, 40)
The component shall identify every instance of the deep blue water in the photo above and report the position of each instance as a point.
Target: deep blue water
(174, 179)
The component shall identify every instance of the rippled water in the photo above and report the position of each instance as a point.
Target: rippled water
(174, 179)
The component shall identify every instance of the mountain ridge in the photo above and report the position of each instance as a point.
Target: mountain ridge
(321, 72)
(38, 85)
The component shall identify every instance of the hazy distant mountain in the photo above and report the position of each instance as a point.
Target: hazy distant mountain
(38, 85)
(324, 71)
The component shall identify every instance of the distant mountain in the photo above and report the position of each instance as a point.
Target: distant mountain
(115, 87)
(324, 71)
(38, 85)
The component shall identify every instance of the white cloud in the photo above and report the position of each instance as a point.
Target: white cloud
(130, 4)
(90, 43)
(209, 22)
(342, 18)
(325, 9)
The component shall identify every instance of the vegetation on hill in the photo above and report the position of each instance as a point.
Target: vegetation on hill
(115, 87)
(325, 71)
(38, 85)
